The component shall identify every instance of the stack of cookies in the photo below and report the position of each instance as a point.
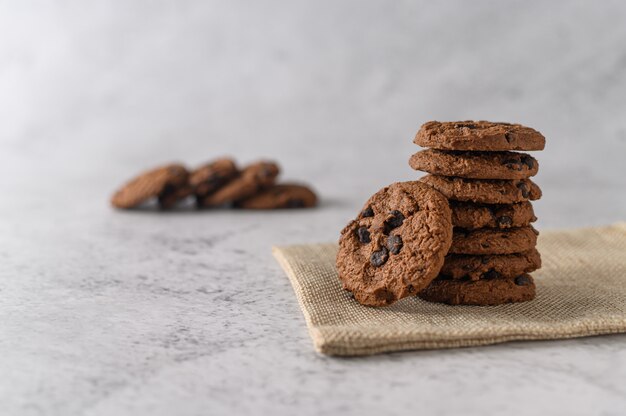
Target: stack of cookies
(477, 166)
(217, 183)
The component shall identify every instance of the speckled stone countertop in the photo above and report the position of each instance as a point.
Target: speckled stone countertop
(187, 313)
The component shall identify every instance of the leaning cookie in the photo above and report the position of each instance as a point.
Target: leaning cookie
(252, 179)
(149, 185)
(396, 245)
(286, 195)
(474, 267)
(478, 135)
(485, 191)
(483, 292)
(211, 176)
(493, 241)
(470, 216)
(475, 165)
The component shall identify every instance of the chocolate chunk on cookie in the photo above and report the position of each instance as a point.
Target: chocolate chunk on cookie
(493, 241)
(474, 267)
(478, 135)
(211, 176)
(471, 216)
(285, 195)
(150, 184)
(481, 292)
(486, 191)
(475, 165)
(252, 179)
(396, 245)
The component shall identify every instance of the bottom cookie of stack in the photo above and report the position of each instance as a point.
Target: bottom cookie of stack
(481, 292)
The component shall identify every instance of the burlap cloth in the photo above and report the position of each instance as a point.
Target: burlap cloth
(581, 291)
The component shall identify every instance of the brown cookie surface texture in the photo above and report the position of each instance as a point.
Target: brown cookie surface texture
(493, 240)
(211, 176)
(483, 292)
(287, 195)
(475, 165)
(252, 179)
(485, 191)
(478, 135)
(150, 184)
(474, 267)
(396, 245)
(470, 215)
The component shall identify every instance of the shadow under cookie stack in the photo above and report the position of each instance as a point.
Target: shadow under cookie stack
(477, 166)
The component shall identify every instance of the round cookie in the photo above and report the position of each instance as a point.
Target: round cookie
(253, 178)
(478, 135)
(481, 292)
(475, 165)
(287, 195)
(396, 245)
(474, 267)
(471, 216)
(493, 240)
(210, 177)
(485, 191)
(149, 185)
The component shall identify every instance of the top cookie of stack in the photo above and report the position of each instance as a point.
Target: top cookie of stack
(475, 164)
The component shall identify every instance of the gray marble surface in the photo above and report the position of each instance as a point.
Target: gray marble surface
(185, 313)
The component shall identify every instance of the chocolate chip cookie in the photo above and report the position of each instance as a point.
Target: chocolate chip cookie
(471, 216)
(287, 195)
(396, 245)
(149, 185)
(478, 135)
(211, 176)
(486, 191)
(251, 180)
(475, 165)
(472, 267)
(481, 292)
(493, 240)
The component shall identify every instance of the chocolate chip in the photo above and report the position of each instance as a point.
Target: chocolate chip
(367, 212)
(410, 288)
(513, 164)
(394, 244)
(505, 221)
(491, 274)
(394, 222)
(364, 235)
(484, 245)
(378, 258)
(397, 219)
(508, 137)
(484, 260)
(522, 280)
(385, 295)
(468, 267)
(522, 187)
(465, 125)
(528, 161)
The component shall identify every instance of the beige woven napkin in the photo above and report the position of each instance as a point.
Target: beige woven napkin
(581, 291)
